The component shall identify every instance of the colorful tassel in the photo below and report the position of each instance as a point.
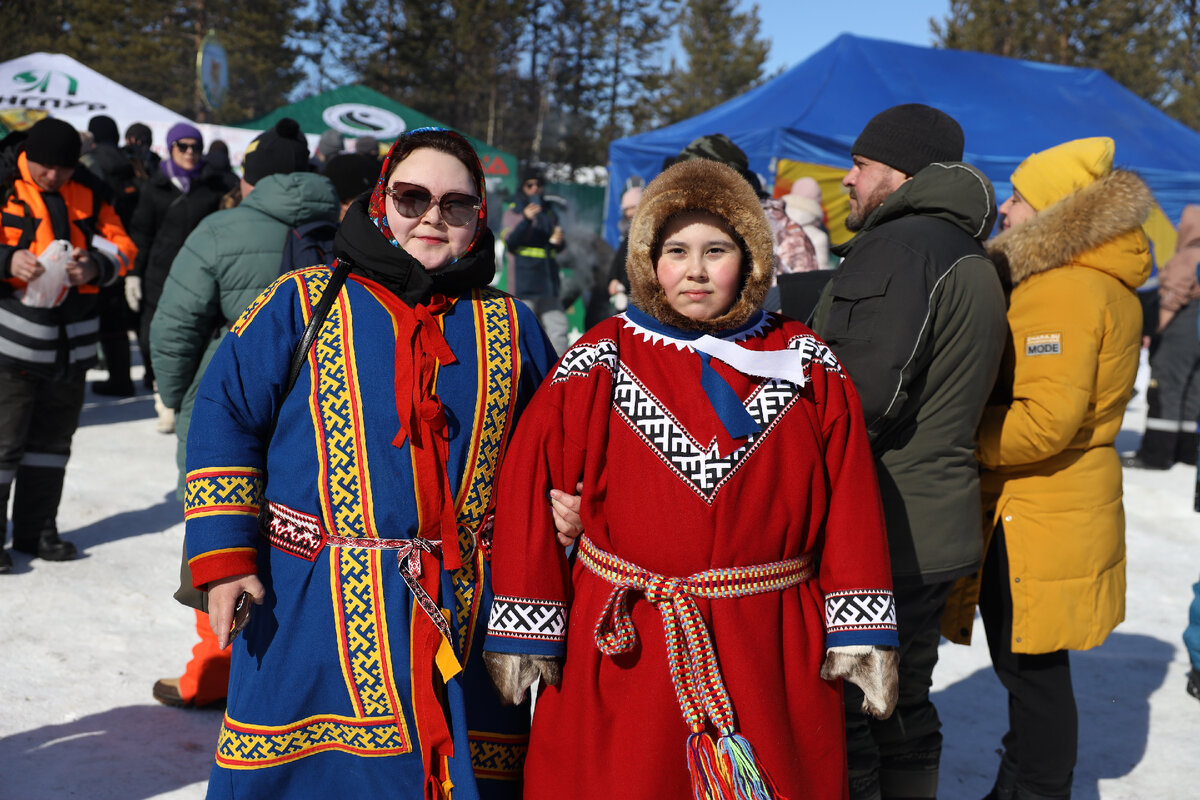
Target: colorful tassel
(746, 776)
(703, 765)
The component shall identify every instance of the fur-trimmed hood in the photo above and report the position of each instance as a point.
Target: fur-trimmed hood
(1092, 219)
(700, 185)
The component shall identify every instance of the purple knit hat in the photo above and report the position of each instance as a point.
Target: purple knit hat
(182, 130)
(183, 177)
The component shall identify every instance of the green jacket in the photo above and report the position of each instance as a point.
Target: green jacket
(915, 313)
(224, 264)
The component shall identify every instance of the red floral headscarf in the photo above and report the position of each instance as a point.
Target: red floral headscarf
(377, 205)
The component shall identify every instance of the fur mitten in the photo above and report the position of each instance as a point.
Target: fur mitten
(872, 669)
(514, 673)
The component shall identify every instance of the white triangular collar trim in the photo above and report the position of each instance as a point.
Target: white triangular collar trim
(779, 364)
(654, 337)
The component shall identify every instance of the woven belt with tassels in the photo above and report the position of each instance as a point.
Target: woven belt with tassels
(729, 767)
(303, 535)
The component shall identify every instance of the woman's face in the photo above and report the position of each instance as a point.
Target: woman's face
(186, 153)
(428, 238)
(1016, 211)
(699, 265)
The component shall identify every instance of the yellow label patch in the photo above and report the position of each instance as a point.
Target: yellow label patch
(1043, 344)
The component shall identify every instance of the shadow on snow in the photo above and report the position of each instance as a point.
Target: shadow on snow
(1113, 684)
(154, 750)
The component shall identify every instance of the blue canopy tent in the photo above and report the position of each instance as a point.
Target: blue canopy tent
(805, 120)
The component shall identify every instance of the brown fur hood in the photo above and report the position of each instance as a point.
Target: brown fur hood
(700, 185)
(1111, 207)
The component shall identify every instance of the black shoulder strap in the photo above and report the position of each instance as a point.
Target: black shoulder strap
(300, 354)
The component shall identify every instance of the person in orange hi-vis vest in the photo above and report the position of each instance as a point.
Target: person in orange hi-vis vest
(48, 344)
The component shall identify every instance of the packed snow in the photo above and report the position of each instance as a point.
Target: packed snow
(82, 642)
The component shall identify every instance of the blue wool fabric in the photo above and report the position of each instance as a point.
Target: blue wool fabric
(326, 687)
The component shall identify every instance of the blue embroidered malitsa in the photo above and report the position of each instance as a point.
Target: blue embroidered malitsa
(342, 683)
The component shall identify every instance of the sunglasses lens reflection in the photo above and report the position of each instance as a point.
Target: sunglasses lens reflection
(413, 201)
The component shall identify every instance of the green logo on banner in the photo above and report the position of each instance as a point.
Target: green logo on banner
(36, 81)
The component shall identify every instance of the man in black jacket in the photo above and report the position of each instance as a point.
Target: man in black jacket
(916, 314)
(108, 163)
(533, 237)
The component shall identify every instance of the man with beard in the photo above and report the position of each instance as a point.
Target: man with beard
(916, 315)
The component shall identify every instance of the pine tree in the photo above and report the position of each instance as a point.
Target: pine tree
(150, 47)
(724, 57)
(1143, 44)
(634, 80)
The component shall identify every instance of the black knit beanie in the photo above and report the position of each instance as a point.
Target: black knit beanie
(53, 143)
(910, 137)
(282, 149)
(532, 173)
(103, 129)
(351, 174)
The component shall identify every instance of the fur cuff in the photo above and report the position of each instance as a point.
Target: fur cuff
(514, 673)
(872, 669)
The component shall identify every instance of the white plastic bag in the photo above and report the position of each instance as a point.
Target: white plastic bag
(50, 288)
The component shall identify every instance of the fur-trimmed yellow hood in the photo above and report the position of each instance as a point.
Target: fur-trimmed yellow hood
(1098, 226)
(700, 185)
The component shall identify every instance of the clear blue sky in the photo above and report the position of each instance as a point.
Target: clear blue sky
(799, 28)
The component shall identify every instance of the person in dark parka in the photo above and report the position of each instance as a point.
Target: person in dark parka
(184, 191)
(915, 313)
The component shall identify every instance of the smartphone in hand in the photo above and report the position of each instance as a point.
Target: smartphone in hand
(241, 615)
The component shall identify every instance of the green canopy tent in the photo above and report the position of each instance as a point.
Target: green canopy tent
(358, 111)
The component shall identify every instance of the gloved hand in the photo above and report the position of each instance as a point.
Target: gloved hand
(514, 673)
(872, 669)
(133, 291)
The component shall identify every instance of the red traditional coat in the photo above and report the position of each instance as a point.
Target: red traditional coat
(667, 489)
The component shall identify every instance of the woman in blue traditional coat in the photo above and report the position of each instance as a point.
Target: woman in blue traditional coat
(355, 507)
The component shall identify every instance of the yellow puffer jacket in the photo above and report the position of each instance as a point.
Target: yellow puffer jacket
(1051, 474)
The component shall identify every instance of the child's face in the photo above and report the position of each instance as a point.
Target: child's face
(699, 265)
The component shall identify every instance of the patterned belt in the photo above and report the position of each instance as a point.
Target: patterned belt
(302, 535)
(716, 771)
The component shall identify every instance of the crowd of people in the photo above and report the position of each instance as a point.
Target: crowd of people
(411, 501)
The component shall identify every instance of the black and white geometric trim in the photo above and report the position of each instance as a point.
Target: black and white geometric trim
(812, 350)
(518, 618)
(866, 610)
(580, 360)
(698, 465)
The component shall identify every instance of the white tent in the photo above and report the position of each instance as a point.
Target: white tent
(64, 88)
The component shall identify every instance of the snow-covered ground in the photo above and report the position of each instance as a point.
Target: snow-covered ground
(82, 642)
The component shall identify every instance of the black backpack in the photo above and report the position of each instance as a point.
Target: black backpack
(308, 245)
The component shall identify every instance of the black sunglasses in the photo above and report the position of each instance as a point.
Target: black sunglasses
(412, 201)
(188, 147)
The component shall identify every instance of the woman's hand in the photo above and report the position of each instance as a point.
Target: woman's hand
(566, 515)
(222, 597)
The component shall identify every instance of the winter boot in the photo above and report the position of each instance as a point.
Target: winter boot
(1006, 783)
(35, 509)
(1193, 684)
(205, 681)
(910, 776)
(1187, 448)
